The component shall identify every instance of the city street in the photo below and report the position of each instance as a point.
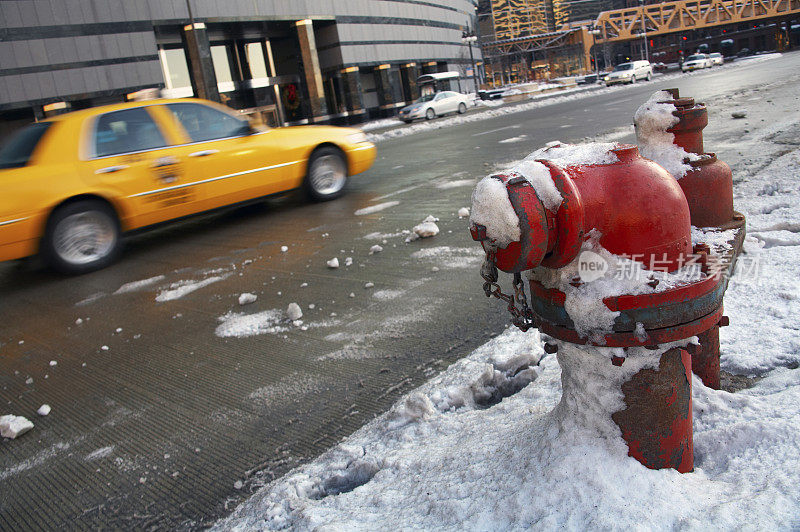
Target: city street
(172, 402)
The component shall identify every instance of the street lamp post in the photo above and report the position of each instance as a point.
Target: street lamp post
(469, 38)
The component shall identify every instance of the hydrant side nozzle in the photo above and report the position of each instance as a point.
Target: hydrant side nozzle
(568, 227)
(534, 227)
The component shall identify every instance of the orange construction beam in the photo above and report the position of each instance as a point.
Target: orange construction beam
(683, 15)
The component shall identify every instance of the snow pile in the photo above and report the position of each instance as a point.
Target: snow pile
(375, 249)
(138, 285)
(463, 212)
(235, 325)
(426, 229)
(247, 298)
(652, 120)
(590, 153)
(718, 241)
(333, 263)
(44, 410)
(482, 468)
(538, 175)
(294, 312)
(12, 426)
(181, 288)
(492, 209)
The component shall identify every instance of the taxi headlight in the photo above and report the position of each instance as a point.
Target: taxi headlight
(355, 138)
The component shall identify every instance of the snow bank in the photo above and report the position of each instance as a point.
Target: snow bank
(652, 120)
(511, 466)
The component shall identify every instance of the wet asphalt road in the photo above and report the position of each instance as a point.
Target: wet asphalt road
(157, 419)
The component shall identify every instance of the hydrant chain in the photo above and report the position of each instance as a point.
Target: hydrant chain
(521, 317)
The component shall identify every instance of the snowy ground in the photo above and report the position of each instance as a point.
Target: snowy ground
(491, 445)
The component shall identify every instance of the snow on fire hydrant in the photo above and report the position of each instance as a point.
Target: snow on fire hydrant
(619, 278)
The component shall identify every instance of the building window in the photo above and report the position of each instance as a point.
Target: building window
(256, 60)
(177, 80)
(222, 68)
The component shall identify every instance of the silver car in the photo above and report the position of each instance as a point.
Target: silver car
(437, 104)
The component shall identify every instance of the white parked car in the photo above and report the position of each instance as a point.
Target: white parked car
(696, 62)
(437, 104)
(630, 73)
(716, 58)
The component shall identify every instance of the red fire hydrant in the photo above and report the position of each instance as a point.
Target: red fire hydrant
(708, 187)
(629, 211)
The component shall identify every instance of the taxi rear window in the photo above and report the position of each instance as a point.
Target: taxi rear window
(16, 152)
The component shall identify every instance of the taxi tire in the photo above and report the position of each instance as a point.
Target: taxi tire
(462, 108)
(319, 155)
(430, 114)
(96, 207)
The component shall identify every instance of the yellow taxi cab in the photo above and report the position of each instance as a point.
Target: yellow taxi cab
(71, 185)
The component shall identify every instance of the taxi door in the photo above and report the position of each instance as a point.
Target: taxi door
(130, 155)
(227, 159)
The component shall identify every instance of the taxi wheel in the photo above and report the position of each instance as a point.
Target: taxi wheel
(327, 174)
(462, 108)
(81, 237)
(430, 114)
